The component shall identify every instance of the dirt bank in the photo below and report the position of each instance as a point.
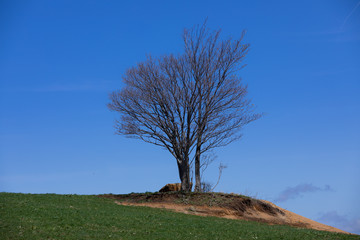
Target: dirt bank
(231, 206)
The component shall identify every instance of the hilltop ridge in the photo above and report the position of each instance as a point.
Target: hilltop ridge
(231, 206)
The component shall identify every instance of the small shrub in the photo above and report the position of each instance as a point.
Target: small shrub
(206, 187)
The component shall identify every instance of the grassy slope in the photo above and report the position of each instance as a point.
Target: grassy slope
(50, 216)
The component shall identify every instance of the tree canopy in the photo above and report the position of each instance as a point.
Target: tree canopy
(188, 103)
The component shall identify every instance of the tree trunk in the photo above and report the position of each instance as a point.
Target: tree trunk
(184, 174)
(197, 169)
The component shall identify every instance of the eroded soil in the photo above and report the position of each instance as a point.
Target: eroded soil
(231, 206)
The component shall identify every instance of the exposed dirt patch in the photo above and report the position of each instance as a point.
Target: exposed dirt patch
(231, 206)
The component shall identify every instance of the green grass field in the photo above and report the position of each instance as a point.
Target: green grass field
(50, 216)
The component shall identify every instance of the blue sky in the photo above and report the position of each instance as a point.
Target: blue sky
(59, 60)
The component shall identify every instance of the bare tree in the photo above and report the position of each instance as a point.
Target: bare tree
(188, 102)
(157, 105)
(221, 168)
(221, 105)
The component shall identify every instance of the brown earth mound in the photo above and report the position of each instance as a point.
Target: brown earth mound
(230, 206)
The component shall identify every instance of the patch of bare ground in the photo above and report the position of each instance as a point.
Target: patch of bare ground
(231, 206)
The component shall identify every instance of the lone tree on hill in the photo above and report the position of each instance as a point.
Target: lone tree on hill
(189, 103)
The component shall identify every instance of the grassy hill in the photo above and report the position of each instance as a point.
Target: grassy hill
(50, 216)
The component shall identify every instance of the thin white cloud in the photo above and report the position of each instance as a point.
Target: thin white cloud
(297, 191)
(339, 36)
(349, 15)
(336, 71)
(63, 87)
(342, 222)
